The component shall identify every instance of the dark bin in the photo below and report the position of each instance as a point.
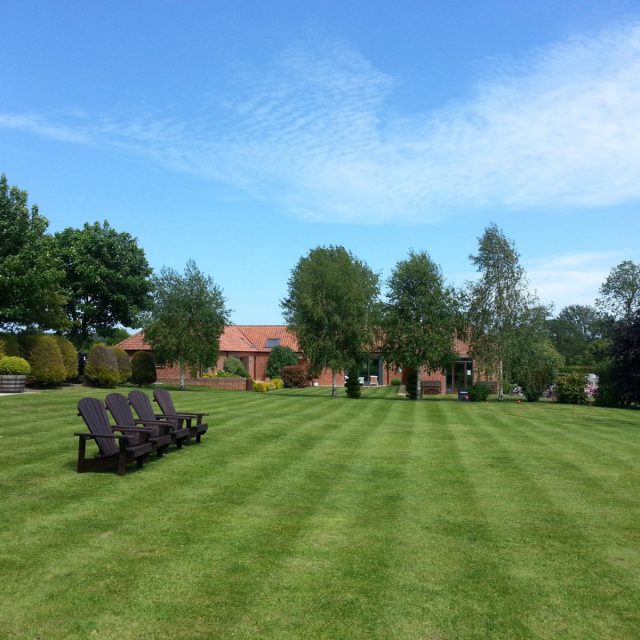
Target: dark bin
(463, 395)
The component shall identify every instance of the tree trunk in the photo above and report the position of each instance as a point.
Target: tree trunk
(182, 383)
(500, 390)
(334, 386)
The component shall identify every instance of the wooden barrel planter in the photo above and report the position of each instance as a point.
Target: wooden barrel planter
(12, 383)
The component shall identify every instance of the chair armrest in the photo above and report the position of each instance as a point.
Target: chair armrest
(91, 436)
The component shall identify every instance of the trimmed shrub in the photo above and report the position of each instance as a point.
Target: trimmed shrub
(26, 344)
(101, 369)
(14, 366)
(352, 385)
(9, 344)
(234, 366)
(277, 383)
(124, 364)
(478, 392)
(143, 368)
(412, 385)
(47, 364)
(69, 357)
(395, 382)
(295, 376)
(260, 387)
(569, 388)
(279, 358)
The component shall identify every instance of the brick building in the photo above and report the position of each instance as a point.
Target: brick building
(252, 344)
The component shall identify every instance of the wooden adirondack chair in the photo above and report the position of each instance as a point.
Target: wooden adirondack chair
(142, 406)
(163, 398)
(120, 410)
(115, 451)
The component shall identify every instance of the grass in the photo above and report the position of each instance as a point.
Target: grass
(301, 516)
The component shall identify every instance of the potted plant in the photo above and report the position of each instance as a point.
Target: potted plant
(13, 374)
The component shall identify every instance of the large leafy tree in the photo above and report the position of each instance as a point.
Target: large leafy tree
(30, 275)
(498, 304)
(331, 307)
(186, 320)
(107, 280)
(576, 332)
(419, 315)
(620, 292)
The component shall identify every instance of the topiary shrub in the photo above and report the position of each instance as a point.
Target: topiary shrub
(260, 387)
(101, 369)
(295, 376)
(395, 382)
(277, 383)
(478, 392)
(569, 388)
(234, 366)
(47, 364)
(279, 358)
(14, 366)
(26, 344)
(69, 357)
(9, 344)
(354, 390)
(124, 364)
(143, 368)
(412, 385)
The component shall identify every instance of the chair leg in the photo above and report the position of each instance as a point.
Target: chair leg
(82, 445)
(122, 463)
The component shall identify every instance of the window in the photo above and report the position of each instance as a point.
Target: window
(272, 342)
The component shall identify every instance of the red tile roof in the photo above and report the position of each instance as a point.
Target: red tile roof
(248, 338)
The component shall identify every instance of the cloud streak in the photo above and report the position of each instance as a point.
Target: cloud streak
(314, 135)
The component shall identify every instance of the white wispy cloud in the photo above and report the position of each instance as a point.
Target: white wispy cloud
(571, 278)
(314, 135)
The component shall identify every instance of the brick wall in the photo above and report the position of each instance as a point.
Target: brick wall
(230, 384)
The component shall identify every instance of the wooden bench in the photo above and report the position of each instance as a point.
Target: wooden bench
(431, 387)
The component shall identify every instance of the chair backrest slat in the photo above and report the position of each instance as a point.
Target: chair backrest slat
(142, 405)
(120, 409)
(163, 398)
(95, 417)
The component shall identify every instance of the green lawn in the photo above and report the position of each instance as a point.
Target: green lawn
(301, 516)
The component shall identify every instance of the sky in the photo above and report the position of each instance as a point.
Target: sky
(243, 134)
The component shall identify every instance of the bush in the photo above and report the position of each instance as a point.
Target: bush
(47, 364)
(279, 358)
(412, 385)
(101, 369)
(9, 344)
(569, 388)
(295, 376)
(395, 382)
(14, 366)
(69, 357)
(260, 387)
(26, 344)
(234, 366)
(354, 389)
(478, 392)
(124, 364)
(277, 383)
(143, 368)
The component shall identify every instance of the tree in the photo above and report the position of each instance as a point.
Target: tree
(419, 316)
(280, 357)
(107, 280)
(30, 275)
(620, 292)
(620, 384)
(575, 333)
(187, 319)
(331, 306)
(498, 304)
(539, 365)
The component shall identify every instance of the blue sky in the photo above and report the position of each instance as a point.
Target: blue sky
(243, 134)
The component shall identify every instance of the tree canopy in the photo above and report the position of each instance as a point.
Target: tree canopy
(30, 274)
(280, 356)
(187, 318)
(620, 292)
(419, 315)
(331, 305)
(498, 304)
(106, 279)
